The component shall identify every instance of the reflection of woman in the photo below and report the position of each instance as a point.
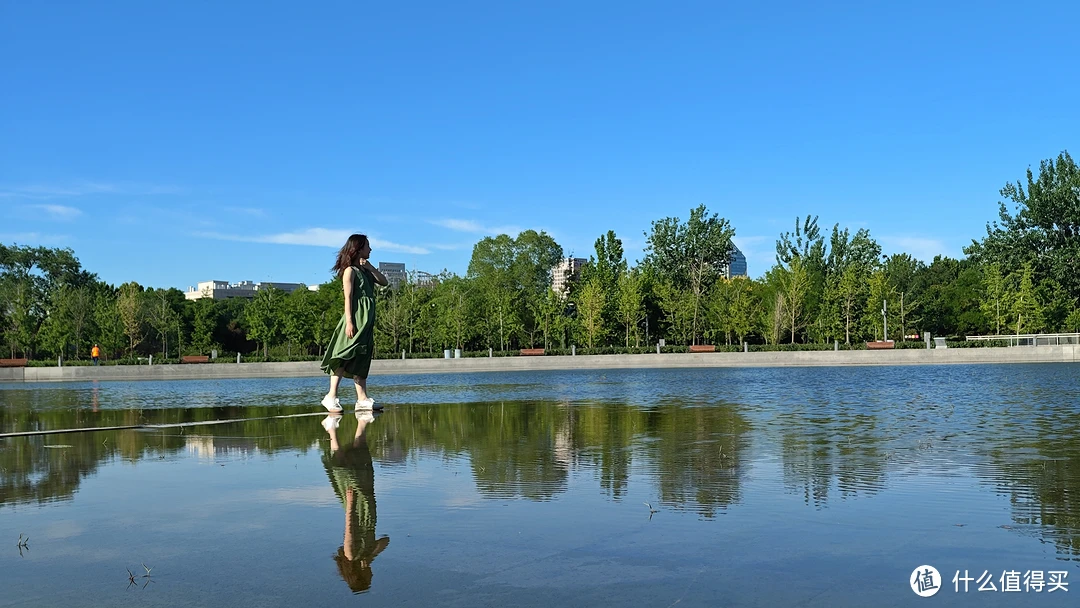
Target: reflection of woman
(353, 477)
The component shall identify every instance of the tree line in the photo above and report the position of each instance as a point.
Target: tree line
(830, 285)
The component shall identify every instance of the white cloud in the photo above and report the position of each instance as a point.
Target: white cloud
(59, 212)
(918, 247)
(35, 238)
(315, 237)
(252, 211)
(49, 191)
(474, 227)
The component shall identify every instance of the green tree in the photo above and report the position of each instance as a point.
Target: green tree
(795, 287)
(1045, 229)
(109, 324)
(879, 293)
(742, 305)
(630, 305)
(1072, 322)
(691, 255)
(264, 317)
(1026, 311)
(676, 306)
(131, 308)
(298, 324)
(591, 300)
(202, 335)
(996, 306)
(850, 297)
(160, 315)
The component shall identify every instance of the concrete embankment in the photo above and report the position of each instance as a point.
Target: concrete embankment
(1020, 354)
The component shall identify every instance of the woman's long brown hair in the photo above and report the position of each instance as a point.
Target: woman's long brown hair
(349, 253)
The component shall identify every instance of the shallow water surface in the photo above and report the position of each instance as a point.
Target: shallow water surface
(702, 487)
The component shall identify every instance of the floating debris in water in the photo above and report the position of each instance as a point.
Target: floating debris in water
(58, 445)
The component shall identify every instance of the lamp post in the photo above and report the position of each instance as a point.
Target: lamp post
(885, 320)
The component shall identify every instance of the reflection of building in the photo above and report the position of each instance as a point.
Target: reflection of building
(425, 279)
(208, 446)
(219, 290)
(566, 272)
(394, 273)
(737, 265)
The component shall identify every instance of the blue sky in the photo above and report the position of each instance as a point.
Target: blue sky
(171, 143)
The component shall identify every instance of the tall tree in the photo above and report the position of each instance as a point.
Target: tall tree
(202, 335)
(1045, 228)
(691, 255)
(630, 305)
(1026, 311)
(264, 317)
(795, 287)
(996, 306)
(590, 305)
(131, 307)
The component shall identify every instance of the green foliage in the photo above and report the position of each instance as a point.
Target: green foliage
(1026, 317)
(998, 301)
(1043, 230)
(590, 305)
(1021, 278)
(692, 256)
(264, 316)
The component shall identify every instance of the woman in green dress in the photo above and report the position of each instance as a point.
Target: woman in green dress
(353, 343)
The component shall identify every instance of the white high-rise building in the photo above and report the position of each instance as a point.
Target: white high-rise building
(566, 272)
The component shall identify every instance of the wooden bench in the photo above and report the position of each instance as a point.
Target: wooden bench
(880, 344)
(703, 348)
(13, 362)
(532, 351)
(195, 359)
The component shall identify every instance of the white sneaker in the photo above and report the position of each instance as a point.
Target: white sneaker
(331, 405)
(365, 404)
(331, 422)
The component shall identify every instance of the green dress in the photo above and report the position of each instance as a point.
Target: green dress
(353, 355)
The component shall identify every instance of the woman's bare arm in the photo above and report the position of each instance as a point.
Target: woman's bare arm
(347, 284)
(379, 278)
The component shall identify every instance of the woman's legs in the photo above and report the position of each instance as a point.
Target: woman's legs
(361, 388)
(330, 401)
(335, 381)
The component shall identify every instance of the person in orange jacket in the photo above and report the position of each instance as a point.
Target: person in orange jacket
(95, 353)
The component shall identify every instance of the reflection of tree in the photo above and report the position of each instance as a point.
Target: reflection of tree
(1044, 489)
(844, 447)
(353, 476)
(515, 449)
(30, 472)
(603, 435)
(698, 454)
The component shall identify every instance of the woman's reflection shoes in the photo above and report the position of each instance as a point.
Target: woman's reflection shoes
(332, 405)
(365, 416)
(331, 422)
(368, 404)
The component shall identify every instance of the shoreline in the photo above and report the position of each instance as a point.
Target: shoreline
(379, 367)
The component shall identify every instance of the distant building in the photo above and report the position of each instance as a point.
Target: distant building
(566, 272)
(394, 273)
(425, 279)
(219, 290)
(737, 265)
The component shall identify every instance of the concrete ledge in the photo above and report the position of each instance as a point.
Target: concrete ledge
(1020, 354)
